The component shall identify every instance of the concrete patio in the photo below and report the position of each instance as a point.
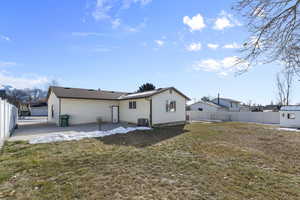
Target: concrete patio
(32, 127)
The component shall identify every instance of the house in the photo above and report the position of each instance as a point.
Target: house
(39, 108)
(290, 116)
(271, 108)
(160, 106)
(232, 105)
(207, 106)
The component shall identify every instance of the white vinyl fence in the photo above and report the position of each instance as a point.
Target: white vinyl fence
(8, 119)
(257, 117)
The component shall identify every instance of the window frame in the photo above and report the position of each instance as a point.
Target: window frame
(171, 106)
(132, 104)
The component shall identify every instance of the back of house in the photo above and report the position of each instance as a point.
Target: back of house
(156, 107)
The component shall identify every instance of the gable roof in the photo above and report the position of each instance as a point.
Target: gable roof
(150, 93)
(78, 93)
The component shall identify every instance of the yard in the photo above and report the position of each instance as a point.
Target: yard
(198, 161)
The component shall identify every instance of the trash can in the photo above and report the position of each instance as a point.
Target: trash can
(64, 120)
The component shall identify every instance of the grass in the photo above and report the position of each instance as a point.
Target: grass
(199, 161)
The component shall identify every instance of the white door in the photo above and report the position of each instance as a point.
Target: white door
(115, 114)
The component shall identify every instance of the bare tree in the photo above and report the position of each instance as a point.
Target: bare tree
(274, 27)
(284, 83)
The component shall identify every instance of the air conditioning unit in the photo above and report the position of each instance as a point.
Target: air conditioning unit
(143, 122)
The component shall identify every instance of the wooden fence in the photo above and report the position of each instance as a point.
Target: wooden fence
(8, 120)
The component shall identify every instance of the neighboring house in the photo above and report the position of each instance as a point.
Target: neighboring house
(290, 116)
(39, 109)
(160, 106)
(207, 106)
(232, 105)
(271, 108)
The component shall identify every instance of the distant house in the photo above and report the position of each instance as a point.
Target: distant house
(230, 104)
(39, 108)
(160, 106)
(207, 106)
(271, 108)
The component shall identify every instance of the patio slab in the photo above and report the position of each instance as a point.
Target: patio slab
(28, 129)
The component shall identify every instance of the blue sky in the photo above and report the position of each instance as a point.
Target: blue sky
(120, 44)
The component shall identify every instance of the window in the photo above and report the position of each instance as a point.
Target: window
(52, 111)
(231, 104)
(291, 116)
(200, 109)
(132, 104)
(170, 106)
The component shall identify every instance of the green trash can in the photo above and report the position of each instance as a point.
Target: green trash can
(64, 120)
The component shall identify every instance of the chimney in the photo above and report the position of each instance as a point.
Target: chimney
(218, 98)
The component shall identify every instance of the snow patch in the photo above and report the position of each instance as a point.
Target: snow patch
(58, 137)
(289, 129)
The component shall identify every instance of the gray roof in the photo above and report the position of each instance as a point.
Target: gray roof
(209, 103)
(78, 93)
(227, 99)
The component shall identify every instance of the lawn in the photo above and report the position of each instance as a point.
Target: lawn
(198, 161)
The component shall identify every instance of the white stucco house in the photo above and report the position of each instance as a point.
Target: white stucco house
(207, 106)
(160, 106)
(290, 116)
(230, 104)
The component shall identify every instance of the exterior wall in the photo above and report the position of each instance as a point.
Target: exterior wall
(292, 123)
(257, 117)
(86, 111)
(53, 100)
(159, 114)
(132, 115)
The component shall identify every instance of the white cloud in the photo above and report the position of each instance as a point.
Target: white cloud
(222, 67)
(159, 42)
(137, 28)
(22, 82)
(195, 23)
(7, 64)
(232, 46)
(116, 23)
(102, 9)
(194, 47)
(108, 10)
(212, 46)
(225, 20)
(3, 37)
(208, 65)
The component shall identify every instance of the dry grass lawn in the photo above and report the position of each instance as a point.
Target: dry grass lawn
(199, 161)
